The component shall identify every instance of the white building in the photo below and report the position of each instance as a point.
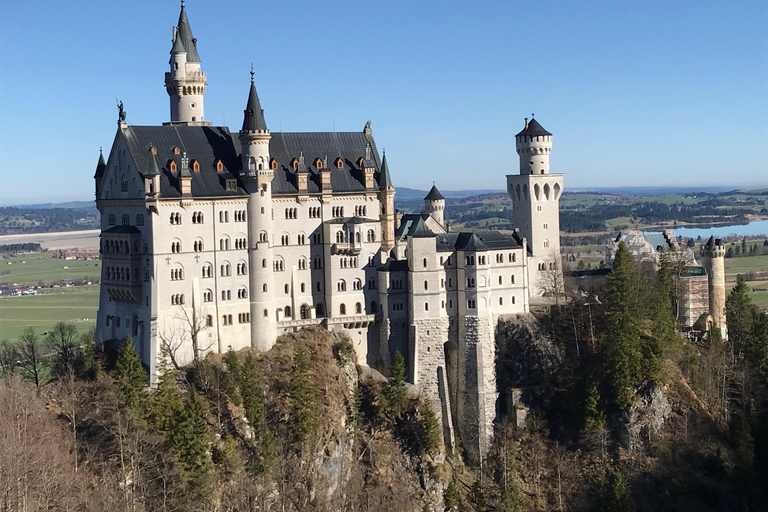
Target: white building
(214, 240)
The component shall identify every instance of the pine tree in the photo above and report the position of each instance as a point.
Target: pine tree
(303, 409)
(616, 496)
(130, 377)
(478, 497)
(429, 430)
(394, 400)
(254, 404)
(594, 416)
(621, 342)
(511, 501)
(166, 406)
(190, 441)
(90, 365)
(451, 498)
(740, 313)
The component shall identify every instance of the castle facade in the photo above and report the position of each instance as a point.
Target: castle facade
(213, 240)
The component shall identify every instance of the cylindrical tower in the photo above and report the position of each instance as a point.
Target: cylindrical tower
(257, 178)
(533, 145)
(434, 205)
(713, 253)
(185, 83)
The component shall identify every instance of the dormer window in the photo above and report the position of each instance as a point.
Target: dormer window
(231, 185)
(153, 150)
(360, 162)
(172, 166)
(318, 163)
(219, 166)
(295, 164)
(176, 150)
(273, 164)
(339, 163)
(195, 166)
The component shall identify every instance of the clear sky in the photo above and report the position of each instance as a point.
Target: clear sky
(636, 93)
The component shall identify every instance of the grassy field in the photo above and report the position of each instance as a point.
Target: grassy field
(29, 269)
(76, 305)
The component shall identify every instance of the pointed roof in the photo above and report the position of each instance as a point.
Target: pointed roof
(533, 128)
(178, 46)
(253, 119)
(152, 168)
(184, 33)
(434, 195)
(101, 166)
(421, 230)
(385, 180)
(470, 242)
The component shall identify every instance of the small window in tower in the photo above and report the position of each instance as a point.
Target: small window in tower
(273, 164)
(339, 163)
(193, 105)
(176, 150)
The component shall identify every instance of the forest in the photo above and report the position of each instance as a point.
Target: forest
(44, 220)
(622, 414)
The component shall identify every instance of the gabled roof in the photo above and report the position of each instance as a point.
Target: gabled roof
(533, 128)
(101, 166)
(253, 119)
(482, 240)
(420, 230)
(434, 195)
(184, 32)
(209, 144)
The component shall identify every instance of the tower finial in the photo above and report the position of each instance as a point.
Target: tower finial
(182, 4)
(532, 114)
(251, 72)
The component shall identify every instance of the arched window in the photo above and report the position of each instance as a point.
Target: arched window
(288, 312)
(339, 163)
(208, 321)
(304, 312)
(342, 309)
(358, 308)
(341, 286)
(339, 237)
(371, 236)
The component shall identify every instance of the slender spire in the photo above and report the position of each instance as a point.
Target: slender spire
(153, 168)
(253, 120)
(385, 180)
(101, 166)
(184, 35)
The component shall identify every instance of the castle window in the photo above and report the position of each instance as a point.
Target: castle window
(284, 240)
(301, 240)
(470, 282)
(176, 247)
(371, 236)
(295, 164)
(126, 219)
(219, 166)
(339, 163)
(112, 219)
(287, 289)
(501, 281)
(512, 279)
(263, 236)
(426, 285)
(342, 309)
(198, 245)
(512, 257)
(546, 226)
(264, 263)
(273, 164)
(426, 306)
(242, 269)
(372, 283)
(501, 301)
(318, 263)
(288, 312)
(358, 308)
(546, 242)
(278, 265)
(177, 274)
(425, 262)
(318, 163)
(341, 286)
(172, 166)
(264, 289)
(207, 270)
(175, 219)
(513, 299)
(357, 284)
(302, 263)
(304, 312)
(266, 313)
(176, 150)
(303, 287)
(207, 296)
(195, 166)
(471, 304)
(208, 321)
(226, 270)
(318, 286)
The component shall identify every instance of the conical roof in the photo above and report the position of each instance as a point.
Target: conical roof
(421, 230)
(533, 129)
(386, 180)
(434, 195)
(184, 34)
(253, 120)
(101, 166)
(152, 168)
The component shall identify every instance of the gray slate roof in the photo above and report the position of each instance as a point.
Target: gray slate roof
(483, 240)
(434, 195)
(101, 166)
(533, 129)
(184, 32)
(208, 144)
(253, 118)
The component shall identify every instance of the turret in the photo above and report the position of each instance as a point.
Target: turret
(434, 205)
(533, 144)
(185, 83)
(256, 176)
(101, 167)
(713, 253)
(387, 200)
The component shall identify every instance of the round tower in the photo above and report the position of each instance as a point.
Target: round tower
(185, 82)
(257, 178)
(533, 144)
(713, 253)
(434, 205)
(535, 196)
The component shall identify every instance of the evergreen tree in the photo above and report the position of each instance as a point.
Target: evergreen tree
(254, 403)
(740, 312)
(303, 409)
(190, 441)
(167, 407)
(616, 496)
(234, 370)
(394, 400)
(594, 416)
(130, 377)
(429, 430)
(478, 497)
(664, 333)
(90, 365)
(621, 340)
(511, 501)
(757, 346)
(451, 498)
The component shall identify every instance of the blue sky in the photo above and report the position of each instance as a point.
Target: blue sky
(635, 93)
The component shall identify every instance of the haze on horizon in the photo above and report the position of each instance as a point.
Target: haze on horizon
(652, 94)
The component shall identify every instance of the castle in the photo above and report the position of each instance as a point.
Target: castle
(213, 240)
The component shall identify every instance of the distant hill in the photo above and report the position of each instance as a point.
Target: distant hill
(406, 194)
(651, 191)
(74, 205)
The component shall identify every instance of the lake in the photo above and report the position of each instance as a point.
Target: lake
(756, 228)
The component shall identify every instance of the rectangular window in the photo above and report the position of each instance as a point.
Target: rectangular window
(112, 219)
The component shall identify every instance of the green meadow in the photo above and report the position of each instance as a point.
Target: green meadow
(30, 269)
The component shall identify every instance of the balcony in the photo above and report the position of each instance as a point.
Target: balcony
(352, 249)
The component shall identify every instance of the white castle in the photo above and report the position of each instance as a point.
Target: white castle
(213, 240)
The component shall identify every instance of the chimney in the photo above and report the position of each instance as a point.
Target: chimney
(526, 123)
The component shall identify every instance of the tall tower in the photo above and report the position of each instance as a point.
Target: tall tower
(387, 216)
(257, 178)
(713, 253)
(434, 205)
(185, 82)
(535, 194)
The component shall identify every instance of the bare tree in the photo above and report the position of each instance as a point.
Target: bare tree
(186, 324)
(9, 356)
(63, 340)
(552, 281)
(30, 354)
